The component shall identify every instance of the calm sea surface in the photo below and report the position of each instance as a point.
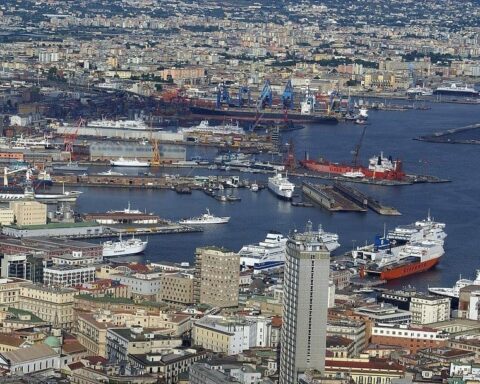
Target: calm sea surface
(456, 203)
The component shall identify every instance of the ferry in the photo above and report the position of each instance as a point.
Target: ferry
(454, 292)
(206, 218)
(267, 254)
(281, 186)
(121, 247)
(456, 90)
(426, 229)
(135, 125)
(122, 162)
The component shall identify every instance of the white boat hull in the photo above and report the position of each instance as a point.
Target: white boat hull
(218, 220)
(123, 249)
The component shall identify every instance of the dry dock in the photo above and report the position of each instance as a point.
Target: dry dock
(365, 201)
(329, 198)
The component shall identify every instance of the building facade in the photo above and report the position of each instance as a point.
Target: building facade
(217, 277)
(429, 309)
(305, 306)
(29, 213)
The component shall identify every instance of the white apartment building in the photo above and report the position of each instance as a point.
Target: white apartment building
(68, 275)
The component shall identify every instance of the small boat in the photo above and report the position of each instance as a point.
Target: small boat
(206, 218)
(121, 162)
(110, 172)
(254, 187)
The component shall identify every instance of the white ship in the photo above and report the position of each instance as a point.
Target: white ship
(354, 174)
(454, 292)
(31, 142)
(281, 186)
(122, 162)
(110, 173)
(270, 253)
(11, 193)
(124, 247)
(456, 90)
(136, 125)
(206, 218)
(205, 127)
(426, 229)
(267, 254)
(127, 211)
(419, 91)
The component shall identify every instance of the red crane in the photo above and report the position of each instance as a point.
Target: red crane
(69, 138)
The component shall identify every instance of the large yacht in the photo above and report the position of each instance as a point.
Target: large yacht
(281, 186)
(206, 218)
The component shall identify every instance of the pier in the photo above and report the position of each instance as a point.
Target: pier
(329, 198)
(365, 201)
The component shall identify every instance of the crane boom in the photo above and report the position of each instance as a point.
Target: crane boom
(7, 172)
(356, 151)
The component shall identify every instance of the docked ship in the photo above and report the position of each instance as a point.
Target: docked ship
(136, 125)
(266, 255)
(122, 162)
(454, 292)
(408, 260)
(12, 193)
(379, 167)
(206, 218)
(271, 115)
(205, 127)
(71, 166)
(281, 186)
(456, 90)
(426, 229)
(270, 253)
(419, 91)
(121, 247)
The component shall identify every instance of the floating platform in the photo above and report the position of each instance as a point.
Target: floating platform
(329, 198)
(365, 201)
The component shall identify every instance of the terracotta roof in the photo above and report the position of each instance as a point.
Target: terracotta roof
(367, 364)
(73, 347)
(12, 341)
(276, 321)
(95, 360)
(76, 365)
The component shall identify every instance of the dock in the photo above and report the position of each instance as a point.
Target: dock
(328, 197)
(365, 201)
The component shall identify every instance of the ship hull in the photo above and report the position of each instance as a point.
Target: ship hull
(284, 195)
(445, 92)
(342, 169)
(125, 250)
(254, 115)
(406, 270)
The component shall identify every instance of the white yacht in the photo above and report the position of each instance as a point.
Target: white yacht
(206, 218)
(121, 247)
(281, 186)
(454, 292)
(127, 211)
(122, 162)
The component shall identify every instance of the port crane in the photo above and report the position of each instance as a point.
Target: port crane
(244, 96)
(69, 138)
(287, 96)
(7, 171)
(356, 151)
(266, 96)
(223, 95)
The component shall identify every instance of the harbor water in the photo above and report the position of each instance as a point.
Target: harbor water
(456, 203)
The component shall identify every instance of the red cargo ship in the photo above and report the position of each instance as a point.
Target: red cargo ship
(379, 167)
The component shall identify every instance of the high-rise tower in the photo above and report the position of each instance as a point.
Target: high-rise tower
(305, 305)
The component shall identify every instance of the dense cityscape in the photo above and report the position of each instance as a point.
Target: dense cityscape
(250, 192)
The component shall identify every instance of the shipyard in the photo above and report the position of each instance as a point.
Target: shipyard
(251, 192)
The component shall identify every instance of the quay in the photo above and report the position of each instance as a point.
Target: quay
(365, 201)
(329, 198)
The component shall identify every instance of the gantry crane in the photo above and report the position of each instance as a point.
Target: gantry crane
(69, 138)
(356, 151)
(7, 172)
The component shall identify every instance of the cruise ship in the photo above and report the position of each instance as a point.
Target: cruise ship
(281, 186)
(454, 292)
(456, 90)
(122, 162)
(206, 218)
(121, 247)
(267, 254)
(205, 127)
